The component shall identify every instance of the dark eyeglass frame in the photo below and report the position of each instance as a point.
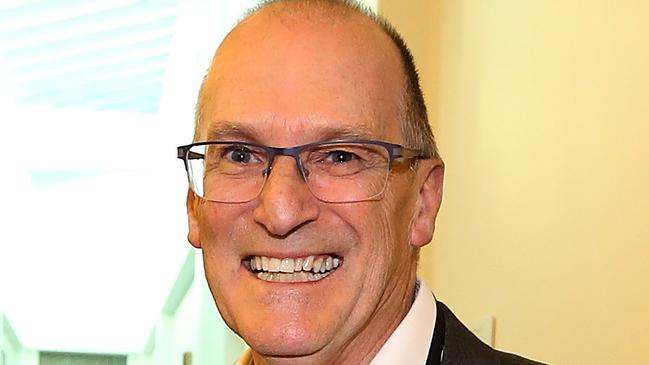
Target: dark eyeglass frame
(395, 152)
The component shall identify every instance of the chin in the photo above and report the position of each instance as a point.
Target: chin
(287, 340)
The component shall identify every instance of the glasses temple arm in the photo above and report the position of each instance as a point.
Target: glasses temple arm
(183, 153)
(407, 153)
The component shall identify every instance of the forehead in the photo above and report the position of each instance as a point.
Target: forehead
(313, 130)
(287, 79)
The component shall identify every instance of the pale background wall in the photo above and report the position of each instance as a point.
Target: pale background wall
(14, 351)
(542, 113)
(191, 324)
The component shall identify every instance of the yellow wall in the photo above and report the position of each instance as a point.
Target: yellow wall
(542, 115)
(418, 21)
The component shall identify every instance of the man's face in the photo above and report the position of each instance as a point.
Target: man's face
(287, 83)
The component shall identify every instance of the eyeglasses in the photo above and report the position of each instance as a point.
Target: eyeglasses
(334, 171)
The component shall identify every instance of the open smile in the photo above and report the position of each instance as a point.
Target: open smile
(294, 270)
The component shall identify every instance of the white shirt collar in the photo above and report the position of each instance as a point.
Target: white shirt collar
(410, 341)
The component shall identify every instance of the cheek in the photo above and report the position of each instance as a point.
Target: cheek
(218, 227)
(397, 211)
(379, 233)
(393, 226)
(222, 262)
(219, 224)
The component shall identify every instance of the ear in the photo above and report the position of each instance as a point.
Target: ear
(430, 179)
(192, 213)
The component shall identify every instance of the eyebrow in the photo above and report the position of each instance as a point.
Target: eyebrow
(238, 131)
(326, 133)
(230, 130)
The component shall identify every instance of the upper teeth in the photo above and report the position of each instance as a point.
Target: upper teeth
(315, 264)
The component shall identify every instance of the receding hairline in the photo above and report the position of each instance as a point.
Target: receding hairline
(412, 109)
(331, 8)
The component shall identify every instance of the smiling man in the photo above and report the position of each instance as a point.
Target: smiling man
(314, 182)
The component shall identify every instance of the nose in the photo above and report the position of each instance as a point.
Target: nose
(285, 203)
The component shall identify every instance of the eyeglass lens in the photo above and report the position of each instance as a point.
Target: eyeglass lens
(341, 172)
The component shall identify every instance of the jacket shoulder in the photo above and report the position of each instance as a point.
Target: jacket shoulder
(511, 359)
(462, 347)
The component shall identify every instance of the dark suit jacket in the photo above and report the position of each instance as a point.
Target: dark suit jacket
(458, 346)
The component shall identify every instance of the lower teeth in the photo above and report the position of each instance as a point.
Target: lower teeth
(291, 278)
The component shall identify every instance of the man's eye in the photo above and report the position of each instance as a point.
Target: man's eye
(341, 156)
(238, 155)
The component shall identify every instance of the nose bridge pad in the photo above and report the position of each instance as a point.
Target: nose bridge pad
(302, 171)
(300, 166)
(268, 168)
(298, 162)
